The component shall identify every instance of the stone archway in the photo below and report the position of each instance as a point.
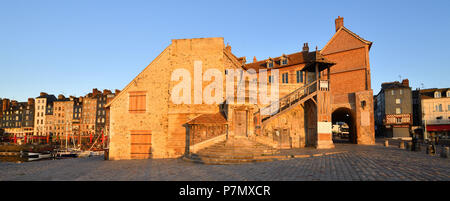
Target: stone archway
(346, 116)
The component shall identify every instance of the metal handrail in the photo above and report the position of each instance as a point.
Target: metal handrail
(288, 101)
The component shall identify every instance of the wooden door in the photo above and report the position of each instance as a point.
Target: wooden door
(285, 139)
(240, 123)
(141, 144)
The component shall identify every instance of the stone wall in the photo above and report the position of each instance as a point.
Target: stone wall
(162, 117)
(293, 121)
(154, 80)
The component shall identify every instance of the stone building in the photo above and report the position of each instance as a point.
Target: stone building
(317, 88)
(394, 110)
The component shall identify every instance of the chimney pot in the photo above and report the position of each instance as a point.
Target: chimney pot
(228, 48)
(305, 47)
(339, 22)
(405, 82)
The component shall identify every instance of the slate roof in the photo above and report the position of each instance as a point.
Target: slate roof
(429, 93)
(293, 59)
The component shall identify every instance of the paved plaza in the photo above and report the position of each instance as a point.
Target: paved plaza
(346, 162)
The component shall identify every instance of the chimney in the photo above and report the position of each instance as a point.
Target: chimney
(339, 22)
(5, 104)
(405, 82)
(228, 48)
(61, 97)
(95, 91)
(106, 91)
(117, 91)
(243, 60)
(30, 101)
(254, 59)
(42, 94)
(305, 47)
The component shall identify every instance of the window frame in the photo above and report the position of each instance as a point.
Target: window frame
(137, 101)
(285, 78)
(299, 75)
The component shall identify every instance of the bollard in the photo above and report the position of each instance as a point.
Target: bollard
(410, 146)
(106, 154)
(386, 143)
(444, 152)
(430, 150)
(401, 145)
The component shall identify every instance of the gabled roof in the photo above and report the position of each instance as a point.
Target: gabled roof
(351, 33)
(429, 93)
(235, 60)
(132, 81)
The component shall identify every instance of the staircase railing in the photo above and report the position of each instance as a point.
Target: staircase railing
(286, 101)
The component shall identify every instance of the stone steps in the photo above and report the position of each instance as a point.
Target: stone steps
(235, 151)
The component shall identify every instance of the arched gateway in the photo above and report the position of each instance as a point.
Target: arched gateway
(344, 120)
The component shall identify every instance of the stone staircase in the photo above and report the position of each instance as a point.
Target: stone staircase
(235, 151)
(294, 98)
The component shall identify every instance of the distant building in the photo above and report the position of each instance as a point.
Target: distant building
(435, 111)
(393, 110)
(17, 120)
(63, 116)
(1, 116)
(76, 119)
(88, 115)
(43, 110)
(100, 120)
(28, 119)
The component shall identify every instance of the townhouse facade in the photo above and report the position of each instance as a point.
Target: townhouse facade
(394, 110)
(43, 110)
(435, 112)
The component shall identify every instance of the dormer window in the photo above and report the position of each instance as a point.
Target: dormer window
(448, 93)
(269, 63)
(284, 60)
(437, 94)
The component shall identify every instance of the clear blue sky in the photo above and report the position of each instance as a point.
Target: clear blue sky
(71, 47)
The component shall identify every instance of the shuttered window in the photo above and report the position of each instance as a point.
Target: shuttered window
(137, 102)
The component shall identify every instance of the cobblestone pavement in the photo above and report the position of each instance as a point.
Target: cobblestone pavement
(354, 162)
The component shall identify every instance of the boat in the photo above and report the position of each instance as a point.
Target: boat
(39, 156)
